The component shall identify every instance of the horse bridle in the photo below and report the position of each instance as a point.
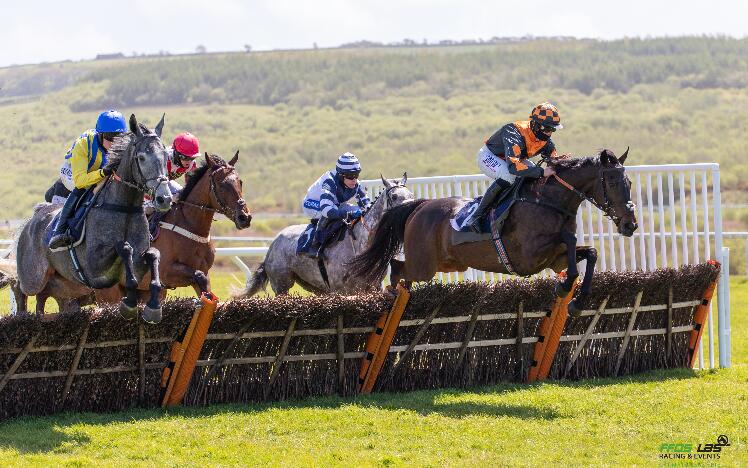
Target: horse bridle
(387, 200)
(607, 206)
(141, 188)
(223, 208)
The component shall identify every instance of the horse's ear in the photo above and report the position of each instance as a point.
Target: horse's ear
(386, 182)
(623, 157)
(160, 125)
(134, 127)
(607, 158)
(404, 180)
(208, 159)
(234, 159)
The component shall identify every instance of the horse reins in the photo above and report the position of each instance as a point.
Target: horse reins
(141, 188)
(605, 208)
(362, 219)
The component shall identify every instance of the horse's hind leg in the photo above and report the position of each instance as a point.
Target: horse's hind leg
(281, 282)
(152, 310)
(128, 306)
(22, 300)
(396, 271)
(41, 300)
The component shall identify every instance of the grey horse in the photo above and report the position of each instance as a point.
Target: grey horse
(282, 267)
(116, 247)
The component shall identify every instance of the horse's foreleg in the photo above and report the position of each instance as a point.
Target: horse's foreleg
(128, 307)
(201, 282)
(152, 310)
(572, 272)
(180, 274)
(589, 254)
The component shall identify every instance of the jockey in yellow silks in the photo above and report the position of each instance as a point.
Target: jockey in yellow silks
(84, 166)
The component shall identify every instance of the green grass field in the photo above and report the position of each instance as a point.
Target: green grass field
(600, 422)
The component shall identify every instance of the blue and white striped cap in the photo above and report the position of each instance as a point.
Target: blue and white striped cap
(347, 163)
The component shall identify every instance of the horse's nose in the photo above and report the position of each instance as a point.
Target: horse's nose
(631, 227)
(244, 219)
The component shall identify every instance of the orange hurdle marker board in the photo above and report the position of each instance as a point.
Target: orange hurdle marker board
(549, 336)
(184, 354)
(699, 321)
(374, 365)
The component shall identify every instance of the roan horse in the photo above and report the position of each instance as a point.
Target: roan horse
(187, 253)
(283, 267)
(539, 232)
(116, 246)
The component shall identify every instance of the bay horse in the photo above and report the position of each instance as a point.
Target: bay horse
(116, 247)
(539, 231)
(282, 267)
(187, 253)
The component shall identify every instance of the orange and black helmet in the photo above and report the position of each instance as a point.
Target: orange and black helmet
(546, 114)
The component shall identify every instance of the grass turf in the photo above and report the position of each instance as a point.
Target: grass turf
(609, 421)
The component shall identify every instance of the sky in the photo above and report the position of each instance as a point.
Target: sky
(37, 31)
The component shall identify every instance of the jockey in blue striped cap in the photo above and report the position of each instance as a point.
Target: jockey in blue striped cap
(325, 201)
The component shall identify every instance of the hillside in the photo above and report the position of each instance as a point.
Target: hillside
(424, 110)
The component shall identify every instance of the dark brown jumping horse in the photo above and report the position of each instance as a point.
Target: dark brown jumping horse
(184, 238)
(539, 232)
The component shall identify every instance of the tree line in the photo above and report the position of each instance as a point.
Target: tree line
(318, 78)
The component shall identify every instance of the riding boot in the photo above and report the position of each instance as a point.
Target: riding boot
(61, 238)
(492, 194)
(320, 239)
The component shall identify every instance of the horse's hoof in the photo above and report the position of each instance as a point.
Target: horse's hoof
(560, 290)
(574, 310)
(127, 312)
(152, 315)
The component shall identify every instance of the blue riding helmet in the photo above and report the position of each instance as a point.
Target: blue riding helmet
(348, 164)
(111, 121)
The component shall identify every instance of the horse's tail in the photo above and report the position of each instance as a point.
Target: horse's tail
(371, 264)
(258, 282)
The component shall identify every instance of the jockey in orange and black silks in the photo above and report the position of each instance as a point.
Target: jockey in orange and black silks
(505, 155)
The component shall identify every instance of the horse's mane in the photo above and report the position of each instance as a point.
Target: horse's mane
(198, 174)
(374, 201)
(120, 144)
(565, 162)
(117, 151)
(371, 205)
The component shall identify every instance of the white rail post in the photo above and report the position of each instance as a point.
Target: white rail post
(725, 348)
(723, 304)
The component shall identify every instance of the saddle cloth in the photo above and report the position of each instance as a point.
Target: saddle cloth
(76, 225)
(333, 232)
(458, 223)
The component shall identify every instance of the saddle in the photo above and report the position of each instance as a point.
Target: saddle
(332, 233)
(492, 224)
